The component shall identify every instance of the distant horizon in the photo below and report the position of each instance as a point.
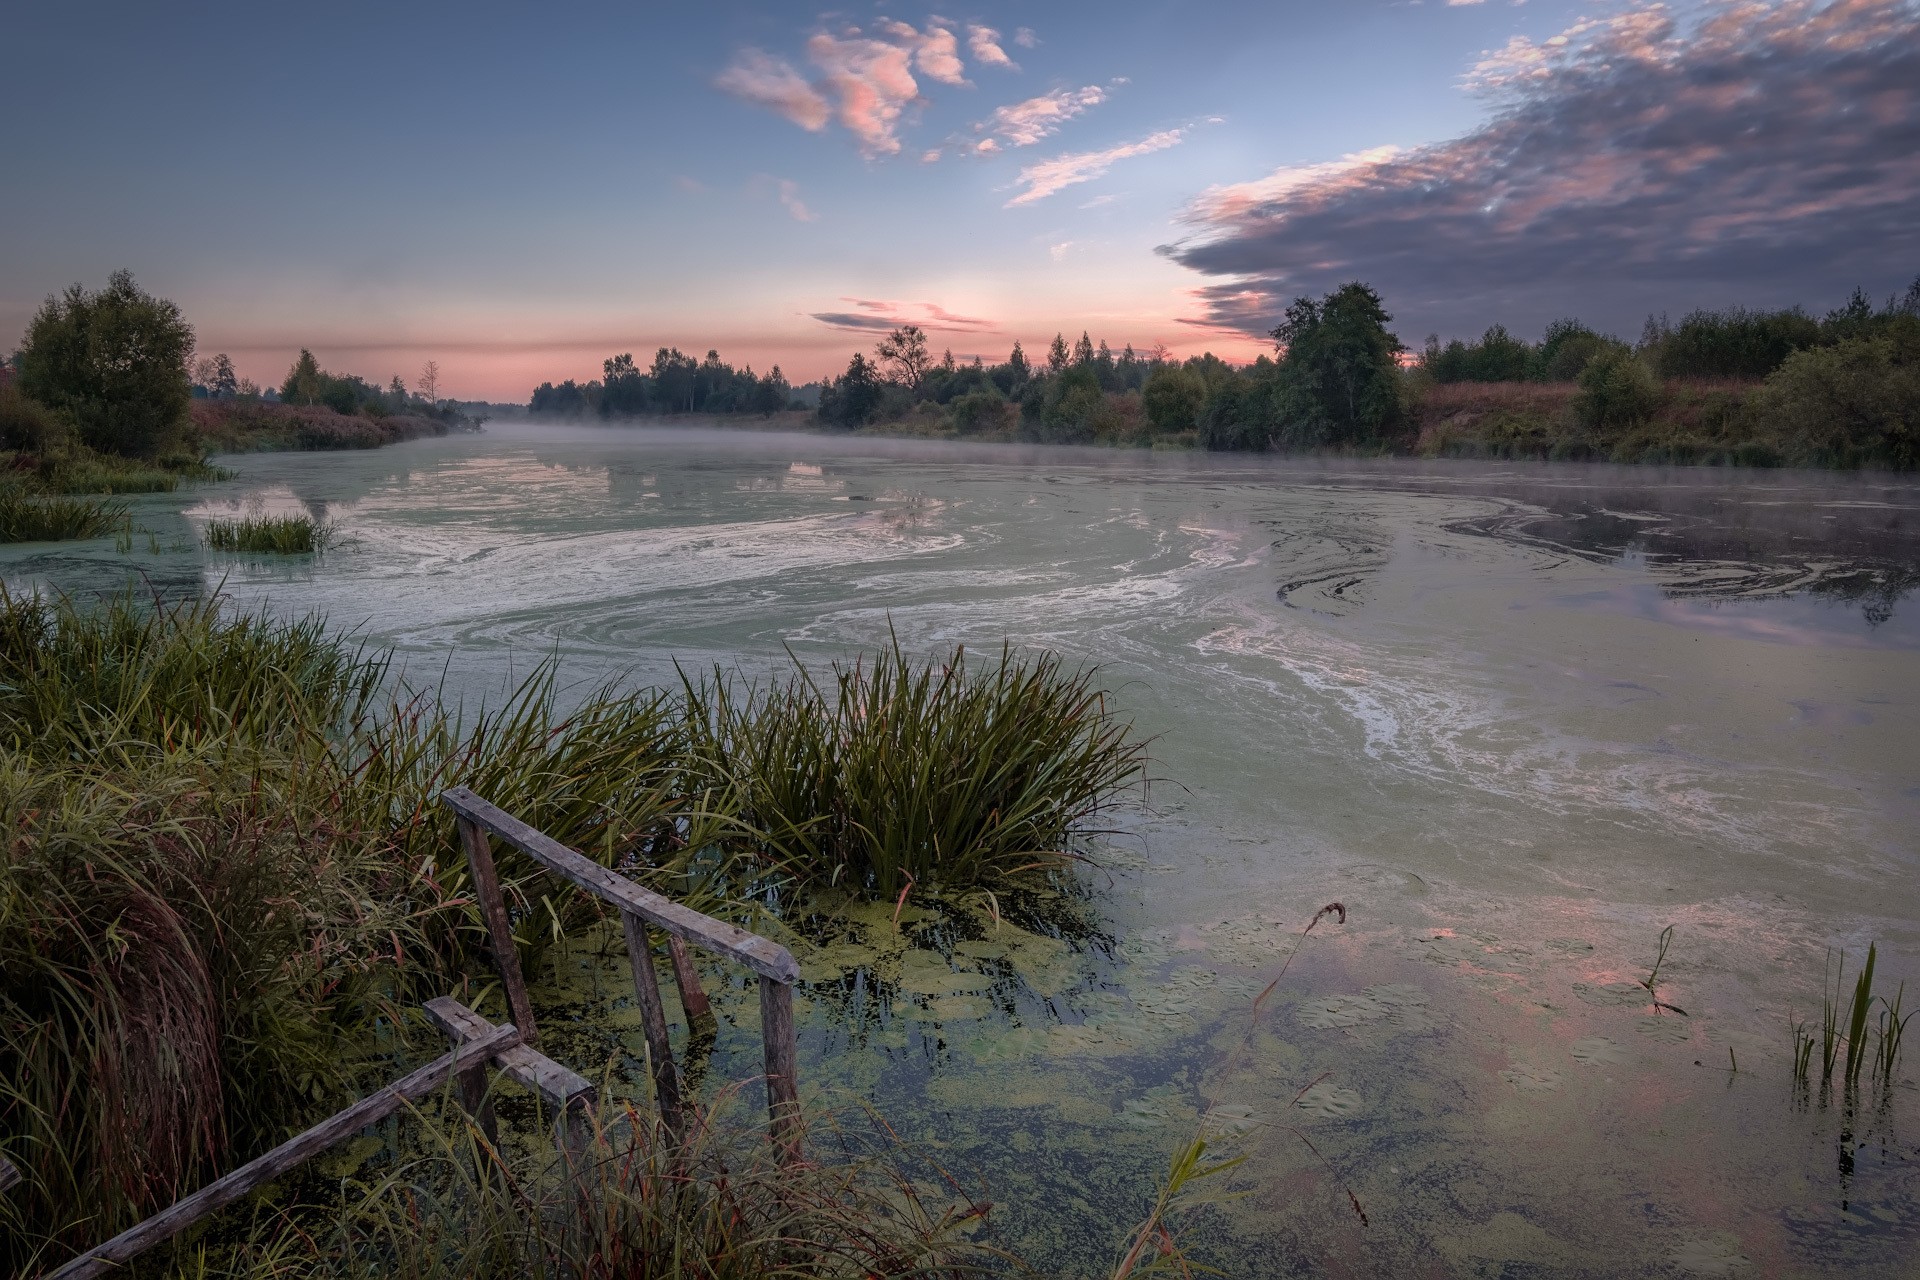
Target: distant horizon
(786, 188)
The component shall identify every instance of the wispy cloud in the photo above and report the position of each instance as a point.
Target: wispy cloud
(985, 44)
(875, 316)
(766, 81)
(1761, 153)
(865, 79)
(1025, 38)
(1050, 177)
(786, 191)
(1024, 123)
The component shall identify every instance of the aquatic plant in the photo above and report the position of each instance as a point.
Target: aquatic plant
(1847, 1018)
(27, 518)
(269, 535)
(892, 773)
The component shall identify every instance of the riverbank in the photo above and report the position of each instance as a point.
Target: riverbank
(242, 426)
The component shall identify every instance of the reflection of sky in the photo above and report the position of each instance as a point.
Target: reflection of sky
(1799, 619)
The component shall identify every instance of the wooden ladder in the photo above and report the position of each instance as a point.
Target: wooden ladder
(508, 1048)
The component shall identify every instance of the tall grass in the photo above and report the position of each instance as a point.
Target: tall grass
(26, 518)
(888, 773)
(225, 878)
(640, 1204)
(269, 535)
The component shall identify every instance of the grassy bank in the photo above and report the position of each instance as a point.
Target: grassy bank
(226, 881)
(251, 426)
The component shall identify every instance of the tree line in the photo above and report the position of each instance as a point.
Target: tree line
(674, 383)
(1839, 390)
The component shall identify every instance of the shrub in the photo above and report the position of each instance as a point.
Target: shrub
(25, 518)
(1173, 397)
(27, 425)
(115, 363)
(1852, 404)
(1616, 390)
(981, 412)
(1735, 343)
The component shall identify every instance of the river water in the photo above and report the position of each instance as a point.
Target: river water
(1517, 718)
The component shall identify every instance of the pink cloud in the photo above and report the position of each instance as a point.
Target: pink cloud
(985, 44)
(767, 81)
(1049, 177)
(1025, 123)
(873, 80)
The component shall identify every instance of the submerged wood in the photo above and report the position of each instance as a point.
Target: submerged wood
(493, 909)
(693, 997)
(653, 1019)
(763, 955)
(782, 1061)
(249, 1177)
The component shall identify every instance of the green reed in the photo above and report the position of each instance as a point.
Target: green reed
(226, 878)
(28, 518)
(889, 773)
(1848, 1019)
(269, 535)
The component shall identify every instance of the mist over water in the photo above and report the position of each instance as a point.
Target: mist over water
(1517, 718)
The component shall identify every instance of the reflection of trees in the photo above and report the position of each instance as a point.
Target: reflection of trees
(1876, 591)
(1852, 542)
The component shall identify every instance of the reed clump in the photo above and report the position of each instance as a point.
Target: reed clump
(26, 517)
(717, 1206)
(1868, 1026)
(888, 773)
(225, 877)
(269, 535)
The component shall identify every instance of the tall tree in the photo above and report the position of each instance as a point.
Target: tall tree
(1083, 350)
(1057, 355)
(1342, 362)
(904, 352)
(1017, 363)
(430, 381)
(115, 362)
(304, 380)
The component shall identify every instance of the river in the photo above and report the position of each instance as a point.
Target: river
(1517, 718)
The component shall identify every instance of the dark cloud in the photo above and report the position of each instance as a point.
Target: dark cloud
(1763, 154)
(879, 316)
(857, 323)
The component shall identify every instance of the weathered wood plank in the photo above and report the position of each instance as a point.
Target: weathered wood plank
(560, 1087)
(493, 909)
(693, 997)
(9, 1174)
(653, 1019)
(763, 955)
(782, 1060)
(248, 1177)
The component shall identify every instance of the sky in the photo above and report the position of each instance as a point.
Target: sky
(519, 191)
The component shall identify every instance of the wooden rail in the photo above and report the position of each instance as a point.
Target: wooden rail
(288, 1155)
(640, 909)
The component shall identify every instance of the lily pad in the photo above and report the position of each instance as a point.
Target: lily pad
(1011, 1044)
(1230, 1119)
(1598, 1051)
(1663, 1030)
(1717, 1255)
(1528, 1078)
(1328, 1101)
(1340, 1011)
